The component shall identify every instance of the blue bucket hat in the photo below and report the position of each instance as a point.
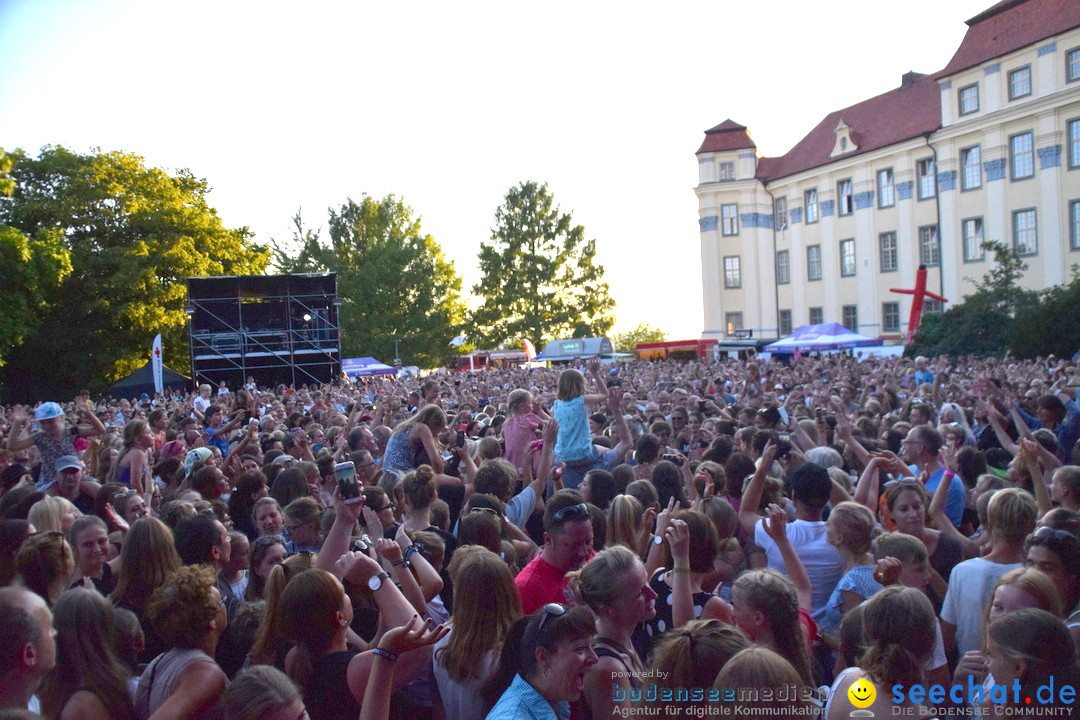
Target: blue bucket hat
(48, 411)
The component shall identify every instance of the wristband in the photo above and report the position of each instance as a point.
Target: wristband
(385, 654)
(680, 571)
(397, 563)
(410, 550)
(948, 474)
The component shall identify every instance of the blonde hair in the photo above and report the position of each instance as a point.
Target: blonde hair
(905, 548)
(899, 625)
(1035, 583)
(603, 579)
(419, 486)
(773, 595)
(1012, 514)
(760, 667)
(46, 515)
(624, 522)
(486, 605)
(517, 397)
(689, 657)
(571, 385)
(855, 524)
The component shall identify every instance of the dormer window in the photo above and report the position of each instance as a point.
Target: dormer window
(844, 141)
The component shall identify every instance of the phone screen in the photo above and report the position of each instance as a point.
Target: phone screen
(346, 479)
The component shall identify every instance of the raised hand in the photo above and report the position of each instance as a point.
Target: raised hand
(357, 567)
(413, 635)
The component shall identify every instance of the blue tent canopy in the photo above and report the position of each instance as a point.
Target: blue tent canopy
(365, 366)
(820, 338)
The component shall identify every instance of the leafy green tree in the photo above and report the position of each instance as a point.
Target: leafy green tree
(540, 277)
(393, 279)
(133, 234)
(1052, 325)
(643, 333)
(984, 323)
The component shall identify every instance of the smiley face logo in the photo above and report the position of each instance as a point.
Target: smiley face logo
(862, 693)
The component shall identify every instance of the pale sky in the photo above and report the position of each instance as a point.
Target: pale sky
(282, 106)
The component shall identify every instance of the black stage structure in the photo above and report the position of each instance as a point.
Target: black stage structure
(274, 328)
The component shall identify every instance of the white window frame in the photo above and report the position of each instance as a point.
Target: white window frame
(890, 317)
(847, 257)
(1020, 72)
(973, 234)
(845, 197)
(783, 267)
(929, 249)
(1024, 215)
(813, 263)
(729, 226)
(886, 188)
(727, 171)
(1022, 157)
(887, 251)
(810, 205)
(967, 99)
(926, 172)
(732, 272)
(780, 218)
(971, 172)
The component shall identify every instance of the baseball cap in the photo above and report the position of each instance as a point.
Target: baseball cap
(47, 411)
(68, 461)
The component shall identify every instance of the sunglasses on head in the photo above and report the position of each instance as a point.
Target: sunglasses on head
(572, 512)
(550, 610)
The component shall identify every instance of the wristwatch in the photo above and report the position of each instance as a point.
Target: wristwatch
(375, 581)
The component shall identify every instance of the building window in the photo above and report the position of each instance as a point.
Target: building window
(932, 307)
(810, 204)
(813, 262)
(886, 189)
(1025, 232)
(887, 243)
(727, 171)
(1072, 65)
(1074, 225)
(890, 317)
(850, 317)
(785, 322)
(972, 229)
(817, 316)
(847, 257)
(732, 272)
(928, 246)
(971, 160)
(733, 321)
(780, 213)
(1074, 143)
(845, 204)
(927, 174)
(783, 267)
(729, 219)
(1022, 155)
(1020, 82)
(969, 99)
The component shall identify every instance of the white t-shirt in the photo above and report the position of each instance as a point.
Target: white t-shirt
(200, 404)
(970, 585)
(821, 560)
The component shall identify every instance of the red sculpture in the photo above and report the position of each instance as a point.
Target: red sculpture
(919, 294)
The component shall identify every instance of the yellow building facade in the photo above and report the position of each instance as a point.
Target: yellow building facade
(987, 148)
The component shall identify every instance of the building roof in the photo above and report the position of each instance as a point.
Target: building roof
(1010, 25)
(909, 111)
(728, 135)
(913, 109)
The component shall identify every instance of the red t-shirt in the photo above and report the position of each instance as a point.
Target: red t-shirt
(540, 583)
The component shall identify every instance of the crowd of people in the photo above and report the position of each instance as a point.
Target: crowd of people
(818, 537)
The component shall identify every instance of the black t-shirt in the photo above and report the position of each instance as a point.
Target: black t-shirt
(327, 696)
